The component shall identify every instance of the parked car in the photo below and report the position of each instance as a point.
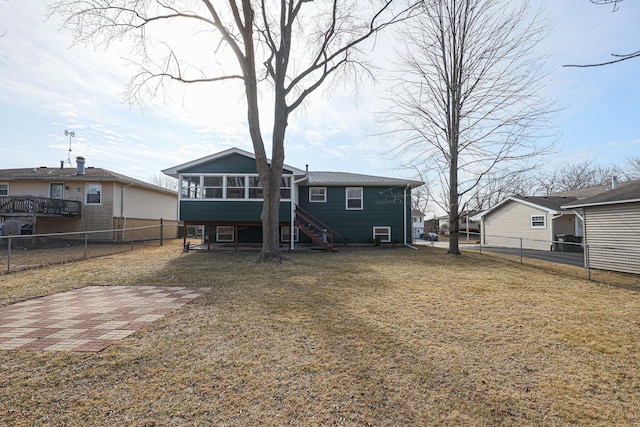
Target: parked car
(429, 236)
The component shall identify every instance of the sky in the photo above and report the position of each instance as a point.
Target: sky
(48, 86)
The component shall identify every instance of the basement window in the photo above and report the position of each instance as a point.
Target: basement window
(538, 221)
(383, 233)
(285, 233)
(224, 233)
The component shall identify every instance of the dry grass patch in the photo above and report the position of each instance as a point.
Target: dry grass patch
(370, 337)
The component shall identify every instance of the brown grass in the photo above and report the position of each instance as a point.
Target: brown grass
(388, 337)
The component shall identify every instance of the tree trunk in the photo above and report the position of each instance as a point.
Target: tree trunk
(271, 220)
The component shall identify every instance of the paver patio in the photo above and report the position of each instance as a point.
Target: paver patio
(89, 319)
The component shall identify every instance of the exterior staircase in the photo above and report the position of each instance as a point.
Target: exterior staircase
(320, 233)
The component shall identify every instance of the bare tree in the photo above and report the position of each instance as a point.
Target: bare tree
(573, 176)
(421, 198)
(630, 171)
(164, 181)
(469, 101)
(282, 49)
(618, 57)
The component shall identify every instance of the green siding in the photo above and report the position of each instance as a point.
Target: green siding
(236, 211)
(232, 164)
(382, 207)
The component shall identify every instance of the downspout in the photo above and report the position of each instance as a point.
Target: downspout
(294, 196)
(124, 219)
(405, 218)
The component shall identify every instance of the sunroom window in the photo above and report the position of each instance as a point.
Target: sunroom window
(190, 187)
(213, 187)
(285, 187)
(235, 187)
(255, 188)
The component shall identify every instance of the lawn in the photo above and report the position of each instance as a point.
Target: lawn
(385, 337)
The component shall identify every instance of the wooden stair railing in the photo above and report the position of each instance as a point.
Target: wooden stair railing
(319, 232)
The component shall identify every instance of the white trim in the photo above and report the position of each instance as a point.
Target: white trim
(175, 170)
(296, 234)
(225, 188)
(233, 233)
(346, 198)
(324, 195)
(86, 193)
(377, 234)
(544, 220)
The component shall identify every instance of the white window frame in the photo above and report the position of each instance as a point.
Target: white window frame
(377, 233)
(231, 232)
(536, 218)
(2, 192)
(284, 233)
(361, 198)
(255, 187)
(317, 199)
(87, 186)
(205, 187)
(285, 186)
(198, 188)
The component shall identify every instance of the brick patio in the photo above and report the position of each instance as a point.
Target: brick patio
(88, 319)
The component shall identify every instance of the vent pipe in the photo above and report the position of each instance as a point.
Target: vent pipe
(80, 165)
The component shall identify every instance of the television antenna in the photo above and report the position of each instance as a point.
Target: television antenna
(70, 134)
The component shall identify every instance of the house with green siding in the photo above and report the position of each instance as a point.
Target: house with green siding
(222, 193)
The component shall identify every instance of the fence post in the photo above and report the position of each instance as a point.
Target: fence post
(586, 248)
(86, 242)
(132, 239)
(8, 255)
(521, 250)
(161, 230)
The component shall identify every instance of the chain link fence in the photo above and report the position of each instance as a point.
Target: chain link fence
(596, 260)
(32, 251)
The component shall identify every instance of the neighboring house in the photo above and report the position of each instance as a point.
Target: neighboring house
(612, 227)
(417, 220)
(533, 222)
(47, 200)
(222, 192)
(465, 221)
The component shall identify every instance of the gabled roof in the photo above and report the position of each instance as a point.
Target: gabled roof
(175, 170)
(416, 212)
(71, 174)
(627, 193)
(550, 204)
(311, 178)
(345, 178)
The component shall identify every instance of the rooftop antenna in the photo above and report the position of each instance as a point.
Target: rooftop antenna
(70, 134)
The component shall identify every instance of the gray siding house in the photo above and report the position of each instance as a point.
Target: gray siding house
(611, 228)
(222, 192)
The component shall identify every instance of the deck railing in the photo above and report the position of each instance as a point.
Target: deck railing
(39, 205)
